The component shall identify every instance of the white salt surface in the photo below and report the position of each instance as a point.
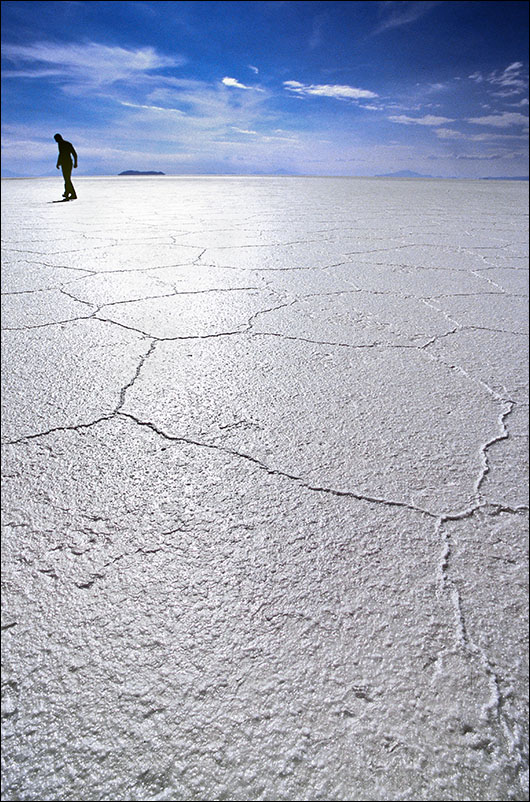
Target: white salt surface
(265, 504)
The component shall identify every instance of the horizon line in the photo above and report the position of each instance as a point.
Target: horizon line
(162, 175)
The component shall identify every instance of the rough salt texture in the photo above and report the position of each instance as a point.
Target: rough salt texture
(265, 491)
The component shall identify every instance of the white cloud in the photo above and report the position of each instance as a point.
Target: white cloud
(253, 68)
(235, 83)
(503, 120)
(429, 120)
(338, 91)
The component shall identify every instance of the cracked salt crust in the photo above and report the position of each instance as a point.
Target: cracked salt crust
(509, 280)
(496, 359)
(506, 313)
(65, 374)
(124, 257)
(361, 318)
(204, 314)
(26, 276)
(107, 288)
(411, 281)
(308, 255)
(45, 307)
(382, 439)
(275, 501)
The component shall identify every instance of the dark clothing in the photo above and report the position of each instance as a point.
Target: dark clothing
(64, 161)
(66, 151)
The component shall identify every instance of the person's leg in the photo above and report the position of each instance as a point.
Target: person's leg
(69, 190)
(66, 178)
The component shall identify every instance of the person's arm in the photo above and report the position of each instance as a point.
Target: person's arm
(74, 154)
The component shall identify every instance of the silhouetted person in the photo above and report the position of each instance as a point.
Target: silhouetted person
(64, 161)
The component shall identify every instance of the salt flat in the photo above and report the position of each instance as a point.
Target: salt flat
(265, 501)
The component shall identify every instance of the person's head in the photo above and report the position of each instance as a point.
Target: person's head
(57, 137)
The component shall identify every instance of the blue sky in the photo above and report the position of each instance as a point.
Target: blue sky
(320, 88)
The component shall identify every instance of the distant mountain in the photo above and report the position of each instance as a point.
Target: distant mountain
(138, 172)
(505, 178)
(404, 174)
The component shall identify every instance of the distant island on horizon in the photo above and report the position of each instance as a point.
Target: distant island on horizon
(139, 172)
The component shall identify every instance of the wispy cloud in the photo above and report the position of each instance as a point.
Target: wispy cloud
(195, 115)
(32, 73)
(450, 133)
(437, 87)
(428, 119)
(165, 109)
(511, 81)
(338, 91)
(511, 78)
(498, 155)
(207, 101)
(503, 120)
(90, 65)
(253, 68)
(397, 14)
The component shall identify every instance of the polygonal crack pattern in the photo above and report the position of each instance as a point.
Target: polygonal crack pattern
(264, 451)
